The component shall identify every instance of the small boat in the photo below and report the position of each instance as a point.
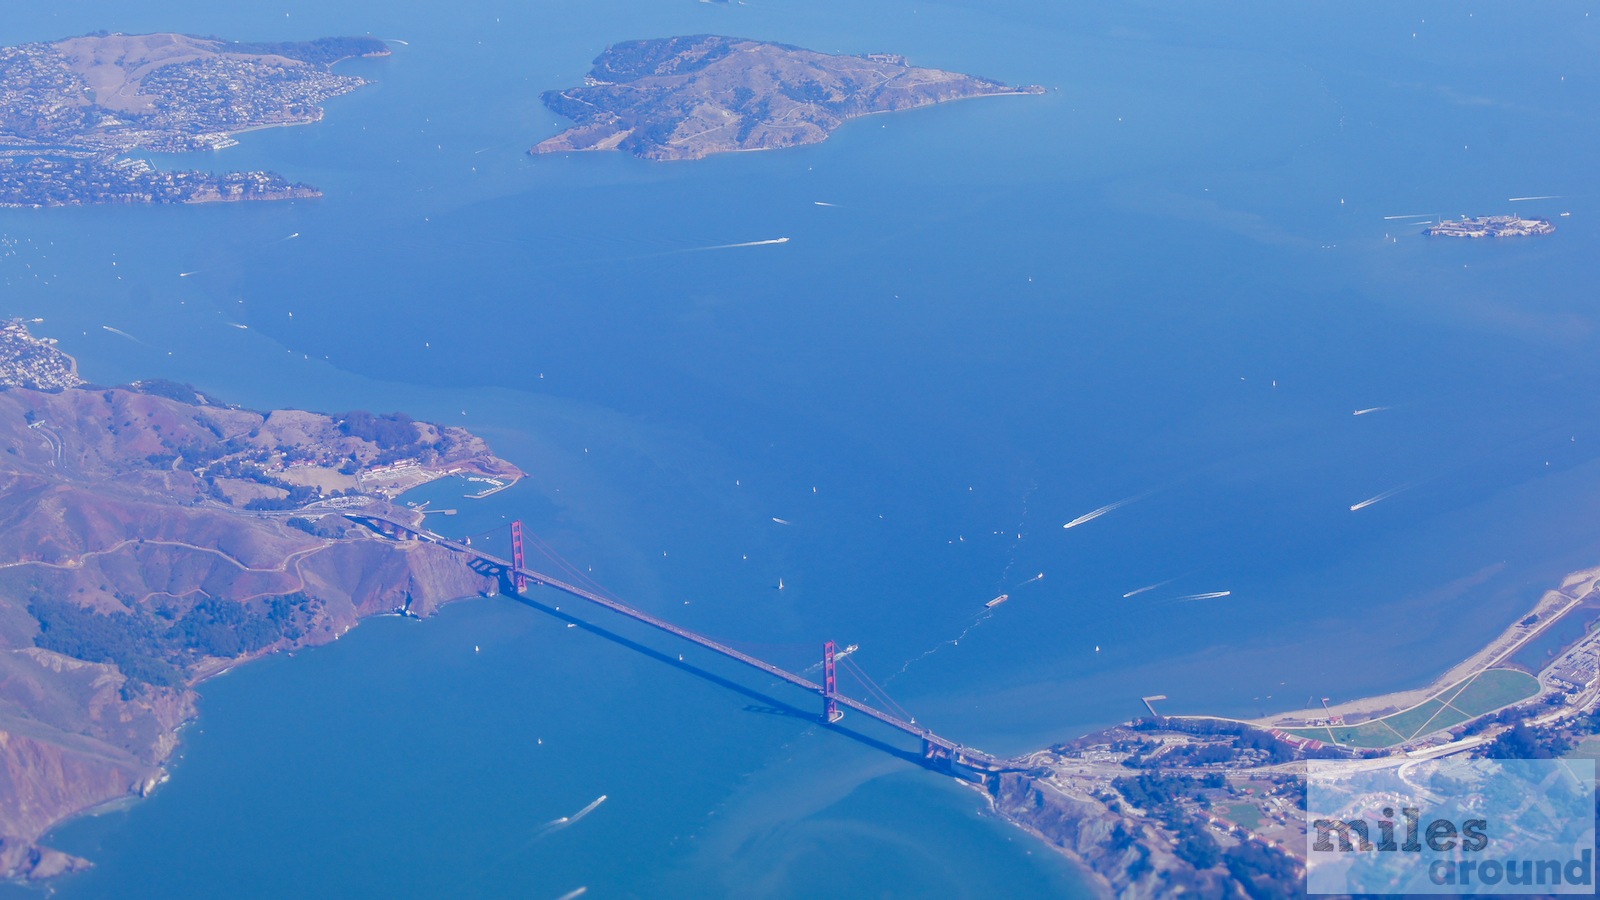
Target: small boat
(998, 600)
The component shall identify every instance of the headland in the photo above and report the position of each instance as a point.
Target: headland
(152, 536)
(689, 97)
(68, 109)
(1212, 806)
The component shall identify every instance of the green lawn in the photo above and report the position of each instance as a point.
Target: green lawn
(1489, 691)
(1368, 734)
(1431, 715)
(1494, 689)
(1241, 813)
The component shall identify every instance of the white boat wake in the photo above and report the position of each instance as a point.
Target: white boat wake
(1091, 516)
(586, 810)
(1383, 496)
(555, 825)
(1137, 591)
(1210, 596)
(782, 240)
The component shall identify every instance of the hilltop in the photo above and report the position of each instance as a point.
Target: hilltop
(68, 108)
(152, 536)
(689, 97)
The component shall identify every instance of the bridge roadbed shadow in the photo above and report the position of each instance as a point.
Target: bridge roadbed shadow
(763, 703)
(938, 754)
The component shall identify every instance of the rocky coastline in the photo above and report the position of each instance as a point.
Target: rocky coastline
(153, 537)
(70, 108)
(689, 97)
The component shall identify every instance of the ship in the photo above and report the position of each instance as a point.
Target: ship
(1491, 226)
(998, 600)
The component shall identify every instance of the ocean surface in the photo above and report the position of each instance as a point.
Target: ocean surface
(1168, 283)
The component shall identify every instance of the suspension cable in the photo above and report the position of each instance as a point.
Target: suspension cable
(872, 687)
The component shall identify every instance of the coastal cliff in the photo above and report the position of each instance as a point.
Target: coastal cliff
(1123, 858)
(151, 537)
(1161, 807)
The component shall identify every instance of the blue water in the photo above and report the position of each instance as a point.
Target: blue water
(1169, 278)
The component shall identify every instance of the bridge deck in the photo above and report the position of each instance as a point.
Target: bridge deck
(911, 728)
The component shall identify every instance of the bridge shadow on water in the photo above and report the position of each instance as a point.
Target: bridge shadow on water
(763, 704)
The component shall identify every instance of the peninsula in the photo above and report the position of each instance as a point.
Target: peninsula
(68, 109)
(1213, 806)
(690, 97)
(154, 536)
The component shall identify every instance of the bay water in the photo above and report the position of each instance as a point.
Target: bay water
(1167, 283)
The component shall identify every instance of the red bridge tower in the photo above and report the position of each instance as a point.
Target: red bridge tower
(519, 581)
(830, 705)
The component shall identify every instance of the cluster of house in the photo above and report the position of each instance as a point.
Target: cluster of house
(1492, 226)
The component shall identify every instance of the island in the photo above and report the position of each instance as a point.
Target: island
(154, 536)
(69, 109)
(689, 97)
(1162, 805)
(1491, 226)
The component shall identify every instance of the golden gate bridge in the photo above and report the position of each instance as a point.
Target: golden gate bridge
(938, 753)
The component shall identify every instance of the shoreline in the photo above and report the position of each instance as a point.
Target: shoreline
(163, 770)
(79, 162)
(1079, 797)
(110, 724)
(612, 142)
(1553, 605)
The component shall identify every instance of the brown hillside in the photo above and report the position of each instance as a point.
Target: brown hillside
(128, 573)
